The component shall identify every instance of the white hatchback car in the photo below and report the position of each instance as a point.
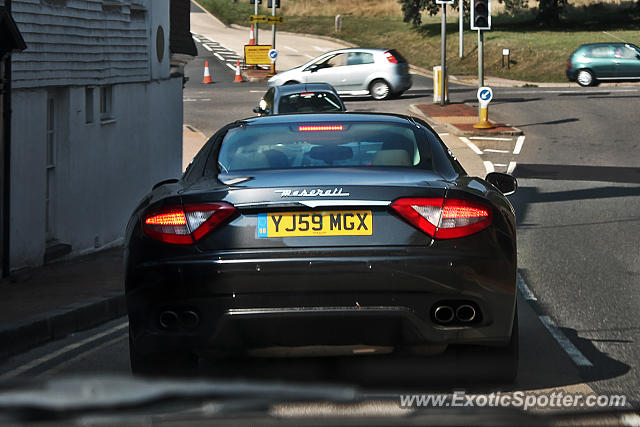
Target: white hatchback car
(381, 73)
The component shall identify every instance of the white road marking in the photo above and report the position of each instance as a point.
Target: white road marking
(631, 420)
(489, 166)
(217, 55)
(256, 91)
(82, 355)
(233, 67)
(494, 150)
(512, 166)
(443, 134)
(309, 56)
(291, 49)
(207, 47)
(519, 143)
(205, 99)
(515, 92)
(490, 138)
(319, 49)
(471, 145)
(502, 165)
(39, 361)
(524, 289)
(566, 344)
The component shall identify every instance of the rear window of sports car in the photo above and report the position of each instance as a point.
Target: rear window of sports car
(324, 145)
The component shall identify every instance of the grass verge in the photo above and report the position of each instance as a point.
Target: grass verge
(538, 54)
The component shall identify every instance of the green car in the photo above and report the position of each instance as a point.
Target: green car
(592, 63)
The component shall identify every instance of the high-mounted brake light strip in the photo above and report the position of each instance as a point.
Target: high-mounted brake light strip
(320, 128)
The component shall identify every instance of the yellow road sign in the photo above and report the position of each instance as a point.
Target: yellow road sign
(257, 18)
(275, 20)
(257, 55)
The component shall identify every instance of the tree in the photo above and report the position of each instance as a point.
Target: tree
(548, 10)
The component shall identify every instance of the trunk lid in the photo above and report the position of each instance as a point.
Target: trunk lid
(353, 200)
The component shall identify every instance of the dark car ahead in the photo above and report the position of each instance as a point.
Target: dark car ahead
(331, 232)
(592, 63)
(300, 98)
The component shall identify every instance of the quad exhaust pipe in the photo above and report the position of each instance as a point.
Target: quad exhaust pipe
(443, 313)
(463, 313)
(187, 319)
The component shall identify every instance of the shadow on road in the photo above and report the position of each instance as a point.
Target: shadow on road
(552, 122)
(583, 173)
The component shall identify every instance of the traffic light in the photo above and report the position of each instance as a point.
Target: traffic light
(480, 14)
(270, 5)
(254, 1)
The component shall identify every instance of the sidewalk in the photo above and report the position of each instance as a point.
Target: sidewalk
(50, 302)
(459, 118)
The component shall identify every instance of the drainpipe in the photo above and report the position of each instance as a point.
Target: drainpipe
(6, 157)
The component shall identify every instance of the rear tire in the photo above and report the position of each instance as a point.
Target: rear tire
(586, 78)
(379, 90)
(161, 364)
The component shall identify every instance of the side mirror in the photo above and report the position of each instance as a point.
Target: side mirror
(257, 110)
(506, 183)
(313, 68)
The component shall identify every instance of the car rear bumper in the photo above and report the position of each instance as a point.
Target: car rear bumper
(571, 74)
(383, 296)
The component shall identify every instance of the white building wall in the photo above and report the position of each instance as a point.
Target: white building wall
(28, 157)
(103, 168)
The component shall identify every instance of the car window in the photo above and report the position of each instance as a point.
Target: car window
(268, 99)
(357, 58)
(322, 145)
(625, 52)
(600, 52)
(337, 60)
(309, 102)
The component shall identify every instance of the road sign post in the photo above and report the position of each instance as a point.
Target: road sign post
(273, 39)
(443, 46)
(485, 95)
(273, 55)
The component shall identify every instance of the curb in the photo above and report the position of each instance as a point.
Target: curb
(26, 334)
(459, 132)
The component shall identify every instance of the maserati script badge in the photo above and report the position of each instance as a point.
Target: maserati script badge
(336, 192)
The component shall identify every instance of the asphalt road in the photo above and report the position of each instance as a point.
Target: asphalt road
(579, 256)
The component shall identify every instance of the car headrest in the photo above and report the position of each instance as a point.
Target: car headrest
(391, 158)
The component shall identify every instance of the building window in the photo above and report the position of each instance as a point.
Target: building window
(106, 103)
(88, 104)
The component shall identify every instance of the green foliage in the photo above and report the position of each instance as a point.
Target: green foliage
(548, 10)
(412, 9)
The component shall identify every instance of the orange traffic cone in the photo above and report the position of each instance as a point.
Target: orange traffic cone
(238, 78)
(252, 39)
(207, 75)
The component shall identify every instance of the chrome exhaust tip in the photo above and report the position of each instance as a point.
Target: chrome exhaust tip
(189, 319)
(465, 313)
(168, 319)
(443, 314)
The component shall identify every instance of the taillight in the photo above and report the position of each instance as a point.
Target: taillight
(185, 226)
(390, 57)
(444, 218)
(568, 64)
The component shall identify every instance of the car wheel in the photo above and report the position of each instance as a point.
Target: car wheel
(379, 90)
(585, 78)
(291, 82)
(161, 364)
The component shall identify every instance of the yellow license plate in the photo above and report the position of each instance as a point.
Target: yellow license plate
(333, 223)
